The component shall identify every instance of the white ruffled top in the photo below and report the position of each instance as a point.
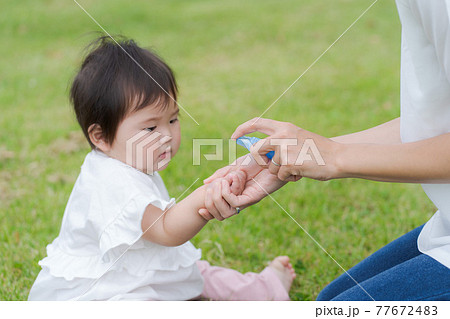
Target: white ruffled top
(425, 102)
(99, 253)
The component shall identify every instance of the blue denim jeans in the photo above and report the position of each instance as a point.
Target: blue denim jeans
(398, 271)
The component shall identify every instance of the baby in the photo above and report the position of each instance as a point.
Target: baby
(122, 237)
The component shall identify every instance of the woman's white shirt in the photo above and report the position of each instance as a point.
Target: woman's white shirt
(99, 253)
(425, 102)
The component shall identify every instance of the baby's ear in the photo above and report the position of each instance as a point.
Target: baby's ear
(96, 136)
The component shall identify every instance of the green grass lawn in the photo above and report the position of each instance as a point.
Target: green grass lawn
(232, 59)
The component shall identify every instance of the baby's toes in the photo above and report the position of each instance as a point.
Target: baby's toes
(284, 260)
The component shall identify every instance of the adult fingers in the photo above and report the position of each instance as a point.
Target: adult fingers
(275, 164)
(259, 150)
(242, 175)
(235, 185)
(293, 178)
(256, 124)
(229, 197)
(205, 214)
(237, 181)
(241, 178)
(264, 146)
(222, 206)
(209, 203)
(284, 173)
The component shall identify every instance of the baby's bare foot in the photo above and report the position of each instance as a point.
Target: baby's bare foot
(284, 271)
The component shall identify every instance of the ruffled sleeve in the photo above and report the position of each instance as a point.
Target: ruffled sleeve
(125, 230)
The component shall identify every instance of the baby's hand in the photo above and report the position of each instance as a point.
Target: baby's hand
(234, 182)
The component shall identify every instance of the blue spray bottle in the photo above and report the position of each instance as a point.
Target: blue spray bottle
(248, 141)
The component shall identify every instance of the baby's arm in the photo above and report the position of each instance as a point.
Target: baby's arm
(182, 221)
(176, 225)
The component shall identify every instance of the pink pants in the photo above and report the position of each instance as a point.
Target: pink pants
(228, 284)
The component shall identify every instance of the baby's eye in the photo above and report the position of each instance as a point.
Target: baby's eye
(151, 129)
(173, 121)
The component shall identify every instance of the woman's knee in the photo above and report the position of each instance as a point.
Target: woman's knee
(323, 295)
(329, 292)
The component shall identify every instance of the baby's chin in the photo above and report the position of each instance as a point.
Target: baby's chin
(160, 166)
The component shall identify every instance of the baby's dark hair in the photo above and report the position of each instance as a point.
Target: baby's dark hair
(117, 78)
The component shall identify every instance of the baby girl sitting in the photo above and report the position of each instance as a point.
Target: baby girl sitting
(122, 237)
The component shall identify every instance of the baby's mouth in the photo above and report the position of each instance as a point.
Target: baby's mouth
(165, 154)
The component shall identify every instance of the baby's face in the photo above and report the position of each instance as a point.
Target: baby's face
(148, 139)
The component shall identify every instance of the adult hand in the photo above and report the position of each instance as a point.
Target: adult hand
(259, 183)
(298, 153)
(216, 206)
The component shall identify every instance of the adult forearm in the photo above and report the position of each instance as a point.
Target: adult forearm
(426, 161)
(386, 133)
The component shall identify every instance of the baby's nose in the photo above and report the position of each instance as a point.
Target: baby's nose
(165, 139)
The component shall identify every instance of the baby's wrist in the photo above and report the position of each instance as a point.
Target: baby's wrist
(200, 193)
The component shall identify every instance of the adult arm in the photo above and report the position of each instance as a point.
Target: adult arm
(386, 133)
(261, 182)
(426, 161)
